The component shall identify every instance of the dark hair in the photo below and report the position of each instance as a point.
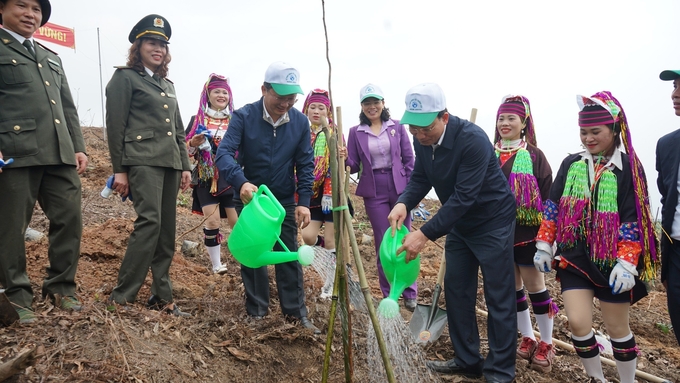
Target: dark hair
(616, 128)
(135, 59)
(441, 114)
(267, 85)
(384, 116)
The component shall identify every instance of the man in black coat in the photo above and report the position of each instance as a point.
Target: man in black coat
(478, 218)
(667, 164)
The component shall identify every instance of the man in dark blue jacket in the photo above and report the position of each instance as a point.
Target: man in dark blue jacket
(477, 216)
(668, 164)
(273, 144)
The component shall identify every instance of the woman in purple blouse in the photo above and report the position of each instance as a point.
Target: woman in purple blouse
(380, 151)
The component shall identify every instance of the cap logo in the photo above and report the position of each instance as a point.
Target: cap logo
(291, 78)
(415, 104)
(369, 89)
(158, 23)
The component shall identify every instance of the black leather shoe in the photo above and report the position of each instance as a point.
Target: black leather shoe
(451, 367)
(309, 325)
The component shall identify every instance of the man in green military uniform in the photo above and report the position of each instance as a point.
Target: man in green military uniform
(40, 131)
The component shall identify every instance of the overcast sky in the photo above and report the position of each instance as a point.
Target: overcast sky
(478, 51)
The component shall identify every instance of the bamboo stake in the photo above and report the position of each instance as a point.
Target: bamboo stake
(342, 242)
(369, 299)
(566, 346)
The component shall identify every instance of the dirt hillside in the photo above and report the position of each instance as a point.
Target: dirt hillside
(219, 343)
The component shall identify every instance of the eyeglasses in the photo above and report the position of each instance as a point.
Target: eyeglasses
(288, 100)
(413, 130)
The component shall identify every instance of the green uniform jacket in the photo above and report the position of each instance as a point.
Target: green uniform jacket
(143, 122)
(39, 124)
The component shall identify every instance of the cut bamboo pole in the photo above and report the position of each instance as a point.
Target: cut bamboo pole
(369, 299)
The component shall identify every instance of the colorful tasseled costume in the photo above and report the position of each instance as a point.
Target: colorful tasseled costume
(603, 207)
(526, 168)
(603, 229)
(530, 177)
(322, 172)
(216, 122)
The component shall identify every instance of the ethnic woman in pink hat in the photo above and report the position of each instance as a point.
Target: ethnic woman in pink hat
(380, 148)
(212, 195)
(598, 215)
(530, 178)
(317, 108)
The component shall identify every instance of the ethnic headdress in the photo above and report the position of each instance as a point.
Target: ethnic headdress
(602, 109)
(205, 163)
(320, 96)
(215, 81)
(519, 105)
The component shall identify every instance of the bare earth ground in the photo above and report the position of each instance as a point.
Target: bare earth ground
(219, 344)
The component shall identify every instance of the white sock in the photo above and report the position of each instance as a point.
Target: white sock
(524, 324)
(592, 365)
(626, 369)
(545, 327)
(215, 256)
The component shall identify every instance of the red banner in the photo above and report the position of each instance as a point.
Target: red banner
(56, 34)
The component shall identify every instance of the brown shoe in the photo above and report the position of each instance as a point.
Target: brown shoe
(526, 348)
(542, 359)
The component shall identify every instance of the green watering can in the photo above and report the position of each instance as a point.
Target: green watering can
(257, 230)
(399, 274)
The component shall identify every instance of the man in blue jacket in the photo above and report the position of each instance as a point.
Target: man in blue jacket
(667, 164)
(478, 218)
(274, 146)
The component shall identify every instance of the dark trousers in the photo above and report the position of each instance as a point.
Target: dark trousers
(377, 209)
(152, 242)
(465, 254)
(673, 291)
(57, 190)
(289, 279)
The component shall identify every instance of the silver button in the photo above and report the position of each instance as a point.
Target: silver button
(163, 94)
(139, 137)
(39, 65)
(53, 102)
(17, 127)
(169, 133)
(167, 120)
(57, 121)
(47, 83)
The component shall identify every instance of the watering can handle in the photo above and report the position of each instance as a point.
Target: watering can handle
(262, 189)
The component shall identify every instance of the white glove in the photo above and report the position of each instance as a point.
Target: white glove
(622, 278)
(326, 204)
(543, 257)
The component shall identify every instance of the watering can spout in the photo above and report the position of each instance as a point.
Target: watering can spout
(304, 255)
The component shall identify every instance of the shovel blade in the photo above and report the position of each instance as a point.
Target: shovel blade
(422, 333)
(8, 314)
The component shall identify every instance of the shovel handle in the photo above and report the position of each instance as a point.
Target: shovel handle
(442, 269)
